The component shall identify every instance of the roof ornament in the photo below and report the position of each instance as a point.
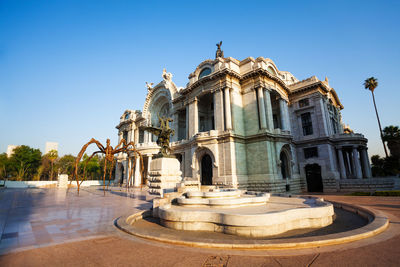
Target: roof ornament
(326, 80)
(149, 86)
(219, 52)
(167, 76)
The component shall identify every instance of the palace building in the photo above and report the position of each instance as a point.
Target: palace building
(249, 125)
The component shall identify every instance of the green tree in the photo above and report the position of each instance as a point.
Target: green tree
(92, 167)
(4, 166)
(52, 155)
(66, 165)
(377, 166)
(24, 162)
(388, 166)
(44, 170)
(109, 165)
(391, 134)
(371, 84)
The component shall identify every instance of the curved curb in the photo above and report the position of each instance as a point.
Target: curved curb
(378, 222)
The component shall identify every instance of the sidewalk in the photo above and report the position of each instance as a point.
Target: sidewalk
(115, 248)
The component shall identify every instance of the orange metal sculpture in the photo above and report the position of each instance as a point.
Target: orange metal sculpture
(109, 152)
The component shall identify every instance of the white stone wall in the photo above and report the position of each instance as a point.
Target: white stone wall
(245, 146)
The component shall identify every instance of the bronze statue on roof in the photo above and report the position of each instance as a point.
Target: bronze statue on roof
(219, 52)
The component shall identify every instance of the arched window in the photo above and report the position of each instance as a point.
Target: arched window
(126, 116)
(204, 72)
(271, 70)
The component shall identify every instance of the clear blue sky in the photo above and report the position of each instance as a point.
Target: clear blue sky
(69, 69)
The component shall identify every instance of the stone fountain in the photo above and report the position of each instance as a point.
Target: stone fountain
(243, 213)
(230, 211)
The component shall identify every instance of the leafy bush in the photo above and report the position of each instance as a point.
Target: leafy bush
(394, 193)
(360, 194)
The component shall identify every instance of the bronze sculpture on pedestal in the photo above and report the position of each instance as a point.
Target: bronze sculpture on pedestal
(163, 133)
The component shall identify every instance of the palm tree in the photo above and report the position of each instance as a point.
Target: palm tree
(52, 156)
(371, 84)
(391, 134)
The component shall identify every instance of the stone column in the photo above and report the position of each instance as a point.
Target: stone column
(228, 116)
(137, 179)
(270, 160)
(268, 109)
(129, 136)
(117, 178)
(145, 137)
(127, 169)
(218, 110)
(349, 164)
(132, 138)
(287, 118)
(193, 118)
(282, 109)
(325, 117)
(357, 166)
(341, 164)
(365, 163)
(175, 126)
(136, 136)
(187, 123)
(261, 108)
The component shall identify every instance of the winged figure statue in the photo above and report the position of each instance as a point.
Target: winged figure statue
(163, 133)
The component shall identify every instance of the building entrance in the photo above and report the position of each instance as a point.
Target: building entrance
(206, 170)
(122, 174)
(284, 165)
(314, 179)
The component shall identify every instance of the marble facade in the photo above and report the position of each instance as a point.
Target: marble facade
(247, 124)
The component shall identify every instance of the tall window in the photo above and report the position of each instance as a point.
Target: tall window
(275, 120)
(125, 136)
(306, 123)
(141, 136)
(334, 126)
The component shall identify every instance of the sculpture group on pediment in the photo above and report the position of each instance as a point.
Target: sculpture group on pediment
(149, 86)
(167, 76)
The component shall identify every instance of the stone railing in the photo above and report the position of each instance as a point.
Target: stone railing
(350, 135)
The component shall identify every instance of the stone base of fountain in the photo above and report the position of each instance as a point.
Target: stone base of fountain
(244, 213)
(256, 226)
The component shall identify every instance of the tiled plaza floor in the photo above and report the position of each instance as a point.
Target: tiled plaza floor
(38, 225)
(39, 217)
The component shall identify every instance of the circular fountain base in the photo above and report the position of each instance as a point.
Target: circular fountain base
(351, 223)
(255, 219)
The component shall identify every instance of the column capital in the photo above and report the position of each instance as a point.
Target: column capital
(190, 101)
(225, 88)
(283, 100)
(214, 90)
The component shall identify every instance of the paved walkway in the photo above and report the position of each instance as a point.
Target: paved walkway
(40, 217)
(51, 216)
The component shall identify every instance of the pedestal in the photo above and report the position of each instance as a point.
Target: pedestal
(164, 176)
(62, 181)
